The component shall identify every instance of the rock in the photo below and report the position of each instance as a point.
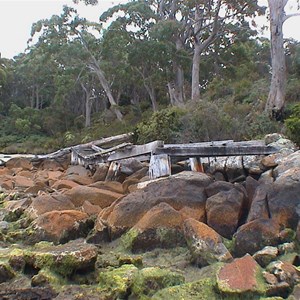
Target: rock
(283, 198)
(284, 271)
(194, 213)
(218, 186)
(19, 162)
(48, 203)
(241, 278)
(252, 164)
(224, 211)
(255, 235)
(113, 186)
(283, 143)
(160, 227)
(204, 243)
(203, 289)
(90, 209)
(22, 293)
(148, 281)
(6, 273)
(51, 165)
(22, 182)
(99, 234)
(266, 178)
(46, 278)
(100, 173)
(95, 196)
(266, 255)
(115, 283)
(296, 293)
(234, 168)
(82, 180)
(18, 206)
(270, 161)
(289, 162)
(128, 183)
(78, 170)
(185, 189)
(259, 208)
(61, 226)
(251, 185)
(286, 248)
(64, 184)
(130, 166)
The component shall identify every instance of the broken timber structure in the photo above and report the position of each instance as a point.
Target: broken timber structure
(158, 153)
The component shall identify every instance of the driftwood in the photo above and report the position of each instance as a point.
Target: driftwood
(93, 145)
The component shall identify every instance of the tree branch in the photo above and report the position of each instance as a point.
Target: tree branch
(290, 16)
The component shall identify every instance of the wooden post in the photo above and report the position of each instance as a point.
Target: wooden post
(113, 170)
(160, 165)
(196, 164)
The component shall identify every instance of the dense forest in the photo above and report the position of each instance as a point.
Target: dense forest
(181, 71)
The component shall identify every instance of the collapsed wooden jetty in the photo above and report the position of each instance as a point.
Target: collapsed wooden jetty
(117, 148)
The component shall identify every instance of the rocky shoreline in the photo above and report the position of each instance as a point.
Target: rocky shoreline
(232, 232)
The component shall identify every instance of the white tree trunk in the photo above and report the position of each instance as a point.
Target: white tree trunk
(196, 73)
(276, 98)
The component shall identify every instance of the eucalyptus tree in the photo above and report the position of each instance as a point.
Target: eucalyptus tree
(276, 98)
(69, 28)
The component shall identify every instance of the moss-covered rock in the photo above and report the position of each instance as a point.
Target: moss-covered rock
(46, 277)
(241, 279)
(148, 281)
(6, 272)
(116, 282)
(203, 289)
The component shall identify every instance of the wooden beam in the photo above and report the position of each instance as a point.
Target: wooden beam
(230, 149)
(112, 139)
(136, 150)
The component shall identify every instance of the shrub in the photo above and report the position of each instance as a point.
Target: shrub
(162, 125)
(293, 124)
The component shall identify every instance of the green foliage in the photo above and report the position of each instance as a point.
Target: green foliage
(293, 124)
(162, 125)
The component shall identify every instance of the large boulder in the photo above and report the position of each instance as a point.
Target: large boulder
(242, 279)
(19, 163)
(95, 196)
(149, 280)
(185, 189)
(224, 211)
(259, 208)
(160, 227)
(255, 235)
(204, 243)
(47, 203)
(284, 197)
(61, 226)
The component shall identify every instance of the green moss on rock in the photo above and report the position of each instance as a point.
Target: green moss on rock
(148, 281)
(128, 238)
(116, 282)
(203, 289)
(46, 277)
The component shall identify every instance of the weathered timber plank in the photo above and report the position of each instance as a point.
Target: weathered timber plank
(201, 144)
(159, 166)
(112, 149)
(117, 138)
(136, 150)
(215, 151)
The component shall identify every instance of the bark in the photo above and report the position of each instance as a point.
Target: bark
(276, 98)
(152, 95)
(196, 73)
(88, 105)
(105, 85)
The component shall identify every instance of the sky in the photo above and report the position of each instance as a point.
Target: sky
(17, 16)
